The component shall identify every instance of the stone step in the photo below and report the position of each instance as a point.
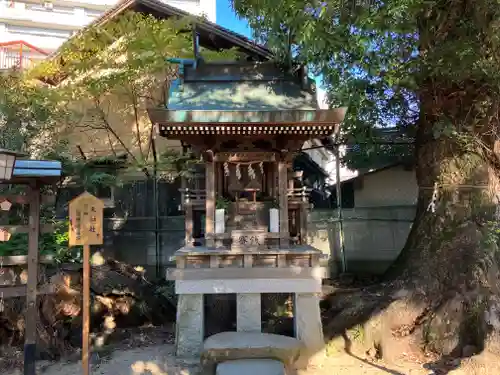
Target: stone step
(251, 367)
(227, 346)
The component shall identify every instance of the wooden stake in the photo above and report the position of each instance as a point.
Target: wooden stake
(86, 310)
(85, 228)
(31, 291)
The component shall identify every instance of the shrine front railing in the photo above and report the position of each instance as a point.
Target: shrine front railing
(299, 194)
(193, 196)
(198, 196)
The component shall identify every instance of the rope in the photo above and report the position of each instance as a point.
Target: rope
(244, 162)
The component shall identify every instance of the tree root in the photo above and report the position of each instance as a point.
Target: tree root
(121, 297)
(398, 325)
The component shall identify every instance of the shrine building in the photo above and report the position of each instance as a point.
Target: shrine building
(247, 121)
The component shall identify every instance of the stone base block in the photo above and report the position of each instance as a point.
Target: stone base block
(308, 326)
(248, 312)
(189, 327)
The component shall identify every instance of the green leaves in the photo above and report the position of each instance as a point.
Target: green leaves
(365, 53)
(109, 74)
(28, 115)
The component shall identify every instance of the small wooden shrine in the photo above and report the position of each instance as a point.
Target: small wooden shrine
(247, 121)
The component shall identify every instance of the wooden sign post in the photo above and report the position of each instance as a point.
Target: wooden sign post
(85, 228)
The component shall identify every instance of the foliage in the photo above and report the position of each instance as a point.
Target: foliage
(381, 58)
(54, 244)
(364, 52)
(222, 203)
(97, 86)
(110, 74)
(372, 155)
(95, 173)
(28, 115)
(172, 164)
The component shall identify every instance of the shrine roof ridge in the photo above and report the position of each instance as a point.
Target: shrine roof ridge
(237, 71)
(292, 117)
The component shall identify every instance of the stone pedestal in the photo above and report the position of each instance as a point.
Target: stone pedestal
(248, 312)
(308, 327)
(189, 327)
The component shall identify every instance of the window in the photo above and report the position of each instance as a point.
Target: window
(92, 12)
(25, 30)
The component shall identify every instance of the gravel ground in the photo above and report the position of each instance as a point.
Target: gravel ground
(160, 360)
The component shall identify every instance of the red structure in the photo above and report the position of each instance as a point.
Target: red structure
(19, 54)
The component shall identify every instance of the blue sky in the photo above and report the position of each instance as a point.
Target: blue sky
(226, 17)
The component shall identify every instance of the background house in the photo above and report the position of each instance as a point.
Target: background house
(30, 29)
(378, 208)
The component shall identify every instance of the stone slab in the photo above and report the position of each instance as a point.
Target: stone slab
(251, 367)
(223, 286)
(250, 345)
(292, 272)
(203, 250)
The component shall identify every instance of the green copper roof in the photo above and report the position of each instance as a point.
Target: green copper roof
(243, 93)
(236, 96)
(237, 87)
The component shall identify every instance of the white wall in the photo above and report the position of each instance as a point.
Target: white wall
(47, 29)
(391, 187)
(329, 161)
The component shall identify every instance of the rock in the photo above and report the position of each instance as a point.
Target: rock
(469, 351)
(251, 367)
(250, 345)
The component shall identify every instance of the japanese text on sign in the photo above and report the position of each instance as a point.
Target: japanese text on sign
(85, 219)
(249, 240)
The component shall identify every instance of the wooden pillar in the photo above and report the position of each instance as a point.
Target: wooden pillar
(188, 212)
(270, 179)
(304, 213)
(188, 215)
(283, 203)
(220, 180)
(275, 182)
(31, 293)
(210, 203)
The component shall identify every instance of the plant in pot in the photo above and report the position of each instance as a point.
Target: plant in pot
(221, 206)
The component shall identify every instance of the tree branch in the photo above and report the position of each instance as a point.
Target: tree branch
(112, 131)
(137, 126)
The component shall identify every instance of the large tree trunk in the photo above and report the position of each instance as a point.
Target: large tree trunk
(450, 261)
(444, 294)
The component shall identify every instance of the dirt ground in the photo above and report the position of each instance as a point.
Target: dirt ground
(160, 360)
(150, 351)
